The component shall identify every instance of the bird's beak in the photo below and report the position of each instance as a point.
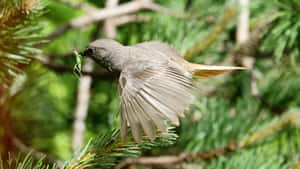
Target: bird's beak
(82, 53)
(87, 52)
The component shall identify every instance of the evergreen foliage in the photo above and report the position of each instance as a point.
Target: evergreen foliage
(24, 162)
(107, 150)
(285, 29)
(19, 31)
(261, 132)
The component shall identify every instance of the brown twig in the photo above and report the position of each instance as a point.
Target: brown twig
(122, 20)
(99, 74)
(102, 14)
(59, 31)
(172, 160)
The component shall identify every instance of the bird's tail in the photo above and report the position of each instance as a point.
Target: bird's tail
(205, 71)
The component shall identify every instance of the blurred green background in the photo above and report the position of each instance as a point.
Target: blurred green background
(42, 102)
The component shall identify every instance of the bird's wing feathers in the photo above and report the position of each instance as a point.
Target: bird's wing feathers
(164, 48)
(149, 95)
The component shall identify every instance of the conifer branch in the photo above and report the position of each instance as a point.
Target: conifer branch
(18, 33)
(219, 28)
(24, 162)
(105, 151)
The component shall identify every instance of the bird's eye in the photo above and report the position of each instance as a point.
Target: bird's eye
(88, 52)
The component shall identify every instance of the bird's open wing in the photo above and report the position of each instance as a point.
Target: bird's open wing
(162, 47)
(151, 93)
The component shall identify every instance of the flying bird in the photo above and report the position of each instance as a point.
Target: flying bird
(155, 83)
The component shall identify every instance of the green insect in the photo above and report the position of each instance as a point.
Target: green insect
(78, 65)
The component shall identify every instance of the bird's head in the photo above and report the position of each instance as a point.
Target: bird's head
(105, 52)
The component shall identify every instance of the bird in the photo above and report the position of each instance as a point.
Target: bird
(155, 84)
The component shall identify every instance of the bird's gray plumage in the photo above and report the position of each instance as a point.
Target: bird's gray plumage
(155, 83)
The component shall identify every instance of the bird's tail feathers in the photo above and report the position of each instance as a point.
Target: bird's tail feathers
(205, 71)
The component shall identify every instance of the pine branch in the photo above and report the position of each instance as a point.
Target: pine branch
(27, 162)
(18, 32)
(285, 29)
(107, 150)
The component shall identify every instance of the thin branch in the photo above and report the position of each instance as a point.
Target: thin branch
(173, 160)
(126, 8)
(83, 6)
(59, 31)
(243, 22)
(109, 26)
(102, 14)
(99, 74)
(122, 20)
